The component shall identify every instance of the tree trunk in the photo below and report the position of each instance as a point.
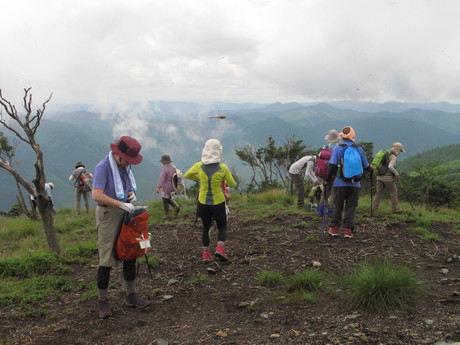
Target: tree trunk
(46, 211)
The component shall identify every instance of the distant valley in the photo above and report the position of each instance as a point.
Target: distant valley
(180, 130)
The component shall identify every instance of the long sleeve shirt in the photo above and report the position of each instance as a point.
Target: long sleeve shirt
(210, 177)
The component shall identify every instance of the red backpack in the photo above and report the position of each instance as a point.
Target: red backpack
(133, 240)
(321, 163)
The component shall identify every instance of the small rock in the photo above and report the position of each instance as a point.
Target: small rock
(444, 271)
(274, 335)
(167, 297)
(172, 282)
(161, 342)
(429, 322)
(264, 316)
(222, 334)
(211, 270)
(316, 264)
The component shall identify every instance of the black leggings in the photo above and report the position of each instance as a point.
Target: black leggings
(103, 274)
(208, 213)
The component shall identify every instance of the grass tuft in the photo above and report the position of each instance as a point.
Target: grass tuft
(306, 280)
(382, 285)
(270, 278)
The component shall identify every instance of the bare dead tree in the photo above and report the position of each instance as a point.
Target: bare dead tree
(28, 126)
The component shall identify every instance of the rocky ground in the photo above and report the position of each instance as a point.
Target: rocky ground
(192, 303)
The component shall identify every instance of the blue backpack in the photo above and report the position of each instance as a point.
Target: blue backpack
(351, 169)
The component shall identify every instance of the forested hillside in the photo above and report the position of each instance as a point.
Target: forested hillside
(443, 155)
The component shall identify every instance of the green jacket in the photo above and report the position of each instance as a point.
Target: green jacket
(210, 177)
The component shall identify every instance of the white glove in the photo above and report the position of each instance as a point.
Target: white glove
(132, 198)
(126, 206)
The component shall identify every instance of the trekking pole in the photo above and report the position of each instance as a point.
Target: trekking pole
(407, 196)
(372, 182)
(324, 209)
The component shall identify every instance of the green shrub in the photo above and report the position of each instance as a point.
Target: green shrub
(35, 264)
(83, 249)
(29, 291)
(306, 280)
(382, 285)
(270, 278)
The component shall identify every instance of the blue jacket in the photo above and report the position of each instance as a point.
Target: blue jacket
(337, 154)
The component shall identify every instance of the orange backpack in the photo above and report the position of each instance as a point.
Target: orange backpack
(133, 240)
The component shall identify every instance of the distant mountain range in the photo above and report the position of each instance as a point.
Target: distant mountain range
(181, 128)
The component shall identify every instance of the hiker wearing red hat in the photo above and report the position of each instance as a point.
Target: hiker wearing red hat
(114, 190)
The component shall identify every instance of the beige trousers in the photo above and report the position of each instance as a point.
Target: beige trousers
(388, 183)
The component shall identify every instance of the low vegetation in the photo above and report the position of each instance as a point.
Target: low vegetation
(272, 270)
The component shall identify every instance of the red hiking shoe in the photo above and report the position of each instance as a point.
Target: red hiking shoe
(220, 254)
(347, 233)
(333, 231)
(207, 258)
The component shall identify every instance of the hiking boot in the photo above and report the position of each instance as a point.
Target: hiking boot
(347, 233)
(333, 231)
(220, 254)
(207, 258)
(134, 300)
(104, 308)
(177, 210)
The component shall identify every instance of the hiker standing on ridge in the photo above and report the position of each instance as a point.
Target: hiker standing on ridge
(80, 189)
(211, 173)
(346, 192)
(299, 170)
(165, 185)
(114, 190)
(386, 178)
(333, 140)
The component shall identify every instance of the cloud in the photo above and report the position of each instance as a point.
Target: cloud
(103, 52)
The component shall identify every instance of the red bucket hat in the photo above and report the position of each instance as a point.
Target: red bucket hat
(127, 148)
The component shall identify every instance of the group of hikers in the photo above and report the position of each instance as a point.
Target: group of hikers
(114, 191)
(340, 192)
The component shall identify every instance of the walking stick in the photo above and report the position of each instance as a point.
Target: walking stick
(407, 196)
(324, 208)
(372, 182)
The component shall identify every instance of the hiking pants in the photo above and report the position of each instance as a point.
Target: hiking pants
(390, 185)
(169, 202)
(208, 213)
(348, 197)
(78, 194)
(299, 186)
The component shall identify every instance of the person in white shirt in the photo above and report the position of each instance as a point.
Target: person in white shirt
(303, 168)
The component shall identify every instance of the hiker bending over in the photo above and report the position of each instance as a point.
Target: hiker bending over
(165, 185)
(114, 189)
(81, 188)
(327, 195)
(303, 168)
(386, 177)
(48, 187)
(346, 186)
(211, 173)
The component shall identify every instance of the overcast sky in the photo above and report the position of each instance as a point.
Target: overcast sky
(105, 52)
